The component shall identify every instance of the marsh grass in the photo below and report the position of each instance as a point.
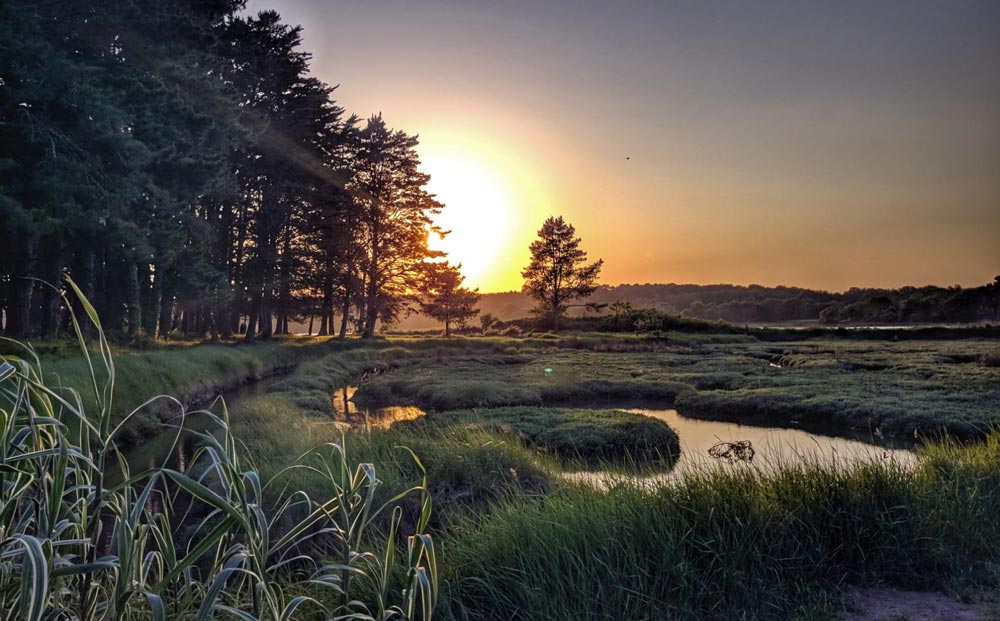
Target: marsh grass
(734, 543)
(187, 543)
(192, 375)
(900, 389)
(521, 543)
(466, 468)
(579, 437)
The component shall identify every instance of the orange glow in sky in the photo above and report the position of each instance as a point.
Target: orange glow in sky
(493, 201)
(476, 216)
(824, 145)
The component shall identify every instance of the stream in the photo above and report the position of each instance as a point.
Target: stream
(772, 446)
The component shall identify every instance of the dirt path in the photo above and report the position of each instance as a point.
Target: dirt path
(881, 604)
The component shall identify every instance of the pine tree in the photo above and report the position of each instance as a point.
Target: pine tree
(558, 272)
(444, 298)
(393, 218)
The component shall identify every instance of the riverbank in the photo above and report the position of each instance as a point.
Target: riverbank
(520, 541)
(193, 375)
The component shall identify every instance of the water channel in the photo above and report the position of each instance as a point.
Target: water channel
(772, 446)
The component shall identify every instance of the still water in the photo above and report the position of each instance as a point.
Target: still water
(773, 447)
(346, 411)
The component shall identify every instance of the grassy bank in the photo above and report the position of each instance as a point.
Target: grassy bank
(191, 374)
(733, 544)
(592, 438)
(517, 541)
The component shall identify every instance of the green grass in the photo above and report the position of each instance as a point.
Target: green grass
(517, 541)
(468, 468)
(733, 544)
(191, 374)
(533, 378)
(898, 388)
(599, 438)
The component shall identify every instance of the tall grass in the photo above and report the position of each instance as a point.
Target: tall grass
(207, 540)
(736, 544)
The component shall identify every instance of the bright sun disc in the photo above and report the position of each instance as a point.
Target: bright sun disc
(475, 213)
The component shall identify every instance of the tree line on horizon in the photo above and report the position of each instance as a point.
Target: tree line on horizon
(178, 160)
(760, 304)
(742, 304)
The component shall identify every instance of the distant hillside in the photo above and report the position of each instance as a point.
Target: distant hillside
(758, 304)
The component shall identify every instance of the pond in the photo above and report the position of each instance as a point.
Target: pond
(772, 447)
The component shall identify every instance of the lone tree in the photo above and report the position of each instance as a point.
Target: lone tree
(444, 297)
(558, 272)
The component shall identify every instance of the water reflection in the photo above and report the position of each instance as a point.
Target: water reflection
(345, 410)
(773, 448)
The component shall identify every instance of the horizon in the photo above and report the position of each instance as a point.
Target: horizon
(757, 284)
(825, 147)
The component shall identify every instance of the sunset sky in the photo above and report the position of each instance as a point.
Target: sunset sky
(819, 144)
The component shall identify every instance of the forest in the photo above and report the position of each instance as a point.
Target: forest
(177, 159)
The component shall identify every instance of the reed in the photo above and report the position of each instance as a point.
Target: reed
(213, 537)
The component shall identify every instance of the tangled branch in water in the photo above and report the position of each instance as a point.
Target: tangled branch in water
(741, 450)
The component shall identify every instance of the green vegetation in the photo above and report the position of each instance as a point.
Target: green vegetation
(515, 539)
(197, 178)
(591, 437)
(210, 537)
(520, 542)
(192, 375)
(892, 388)
(734, 544)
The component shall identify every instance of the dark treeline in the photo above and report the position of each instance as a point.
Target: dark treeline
(177, 160)
(758, 304)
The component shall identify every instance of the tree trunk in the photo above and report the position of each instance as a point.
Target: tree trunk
(19, 323)
(371, 309)
(154, 306)
(346, 310)
(325, 306)
(51, 299)
(252, 319)
(86, 283)
(133, 303)
(165, 324)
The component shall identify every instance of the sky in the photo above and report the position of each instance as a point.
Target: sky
(808, 143)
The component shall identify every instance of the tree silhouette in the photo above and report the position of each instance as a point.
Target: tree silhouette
(445, 299)
(558, 272)
(393, 216)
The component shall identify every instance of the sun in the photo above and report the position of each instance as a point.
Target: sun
(476, 215)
